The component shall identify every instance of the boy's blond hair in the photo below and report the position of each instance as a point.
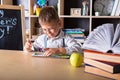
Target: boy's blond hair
(48, 14)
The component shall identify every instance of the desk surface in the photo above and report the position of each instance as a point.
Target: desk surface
(17, 65)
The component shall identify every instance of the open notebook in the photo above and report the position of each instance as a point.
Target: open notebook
(40, 54)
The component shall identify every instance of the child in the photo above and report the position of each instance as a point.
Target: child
(54, 41)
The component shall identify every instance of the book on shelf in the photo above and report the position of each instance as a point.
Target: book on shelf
(77, 35)
(103, 65)
(104, 38)
(114, 7)
(99, 72)
(117, 12)
(74, 31)
(102, 56)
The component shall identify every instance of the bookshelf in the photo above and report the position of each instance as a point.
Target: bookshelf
(30, 18)
(87, 22)
(71, 21)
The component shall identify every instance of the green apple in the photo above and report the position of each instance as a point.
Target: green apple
(76, 59)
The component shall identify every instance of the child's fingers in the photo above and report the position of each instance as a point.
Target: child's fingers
(28, 43)
(46, 49)
(28, 40)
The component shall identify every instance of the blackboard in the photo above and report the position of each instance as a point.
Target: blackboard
(12, 27)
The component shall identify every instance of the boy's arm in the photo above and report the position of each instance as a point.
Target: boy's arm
(72, 45)
(62, 50)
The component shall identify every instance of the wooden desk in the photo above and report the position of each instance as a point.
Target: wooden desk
(16, 65)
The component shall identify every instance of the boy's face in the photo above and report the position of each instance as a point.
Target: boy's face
(51, 29)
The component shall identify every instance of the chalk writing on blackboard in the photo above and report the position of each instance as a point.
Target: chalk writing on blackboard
(1, 13)
(12, 27)
(6, 23)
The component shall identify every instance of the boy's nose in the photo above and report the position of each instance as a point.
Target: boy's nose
(48, 31)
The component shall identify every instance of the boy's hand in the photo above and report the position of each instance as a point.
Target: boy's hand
(50, 51)
(28, 45)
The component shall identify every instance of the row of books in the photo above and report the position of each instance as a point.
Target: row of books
(116, 8)
(77, 33)
(102, 64)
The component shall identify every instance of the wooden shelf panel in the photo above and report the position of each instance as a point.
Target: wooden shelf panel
(105, 17)
(69, 16)
(34, 16)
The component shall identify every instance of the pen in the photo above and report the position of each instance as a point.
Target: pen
(41, 50)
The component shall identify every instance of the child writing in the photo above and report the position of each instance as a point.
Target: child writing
(54, 40)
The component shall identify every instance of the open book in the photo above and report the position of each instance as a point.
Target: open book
(105, 38)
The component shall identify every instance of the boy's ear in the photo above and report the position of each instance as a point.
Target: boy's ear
(60, 23)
